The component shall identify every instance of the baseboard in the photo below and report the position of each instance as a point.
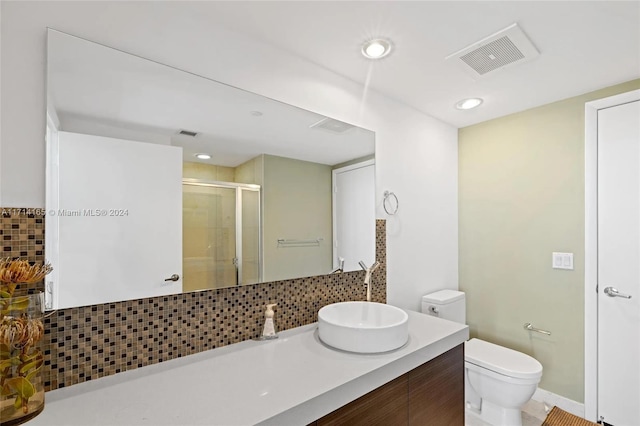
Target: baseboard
(550, 399)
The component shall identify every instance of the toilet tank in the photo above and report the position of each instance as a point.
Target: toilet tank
(447, 304)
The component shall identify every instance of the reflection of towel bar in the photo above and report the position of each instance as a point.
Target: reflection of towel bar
(530, 327)
(313, 242)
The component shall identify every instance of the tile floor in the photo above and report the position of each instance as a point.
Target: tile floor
(533, 414)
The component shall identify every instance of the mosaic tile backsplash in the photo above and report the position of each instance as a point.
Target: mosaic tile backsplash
(100, 340)
(22, 234)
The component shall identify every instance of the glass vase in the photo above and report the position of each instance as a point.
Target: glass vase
(21, 357)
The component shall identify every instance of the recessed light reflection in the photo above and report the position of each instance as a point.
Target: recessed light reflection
(469, 103)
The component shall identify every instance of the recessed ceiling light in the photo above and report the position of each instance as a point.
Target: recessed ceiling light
(376, 48)
(469, 103)
(203, 156)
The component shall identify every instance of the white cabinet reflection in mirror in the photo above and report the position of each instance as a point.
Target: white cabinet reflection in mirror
(118, 220)
(229, 236)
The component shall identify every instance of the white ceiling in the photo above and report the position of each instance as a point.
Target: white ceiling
(584, 46)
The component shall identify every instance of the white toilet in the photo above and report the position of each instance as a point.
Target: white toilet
(498, 380)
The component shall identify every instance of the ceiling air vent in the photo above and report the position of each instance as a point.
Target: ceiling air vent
(332, 125)
(504, 48)
(188, 133)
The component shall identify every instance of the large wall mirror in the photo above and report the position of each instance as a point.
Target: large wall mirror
(160, 181)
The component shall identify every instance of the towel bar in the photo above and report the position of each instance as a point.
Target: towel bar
(290, 242)
(530, 327)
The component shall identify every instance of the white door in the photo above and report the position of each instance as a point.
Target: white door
(118, 220)
(619, 264)
(354, 233)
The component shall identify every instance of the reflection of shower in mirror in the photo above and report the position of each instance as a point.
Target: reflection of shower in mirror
(220, 234)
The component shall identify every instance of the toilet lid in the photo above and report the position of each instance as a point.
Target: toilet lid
(443, 297)
(501, 360)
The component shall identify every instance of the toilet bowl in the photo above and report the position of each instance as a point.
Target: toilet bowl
(498, 380)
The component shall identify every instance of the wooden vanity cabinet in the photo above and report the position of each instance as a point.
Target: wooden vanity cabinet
(431, 394)
(436, 390)
(386, 405)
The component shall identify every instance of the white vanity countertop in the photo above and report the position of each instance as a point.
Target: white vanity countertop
(292, 380)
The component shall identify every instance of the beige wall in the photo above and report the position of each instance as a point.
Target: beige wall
(297, 205)
(250, 171)
(208, 172)
(521, 197)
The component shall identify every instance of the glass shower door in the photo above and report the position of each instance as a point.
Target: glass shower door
(250, 227)
(209, 237)
(221, 235)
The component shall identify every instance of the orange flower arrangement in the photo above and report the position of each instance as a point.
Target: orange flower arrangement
(21, 329)
(16, 271)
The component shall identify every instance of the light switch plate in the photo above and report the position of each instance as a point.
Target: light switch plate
(562, 261)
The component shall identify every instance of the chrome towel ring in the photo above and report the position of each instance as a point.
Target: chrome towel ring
(390, 203)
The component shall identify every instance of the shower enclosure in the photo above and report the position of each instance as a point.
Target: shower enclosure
(221, 234)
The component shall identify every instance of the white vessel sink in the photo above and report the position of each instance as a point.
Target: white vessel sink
(363, 327)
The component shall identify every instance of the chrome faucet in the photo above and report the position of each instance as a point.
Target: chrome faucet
(367, 276)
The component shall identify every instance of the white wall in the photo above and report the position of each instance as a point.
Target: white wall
(416, 155)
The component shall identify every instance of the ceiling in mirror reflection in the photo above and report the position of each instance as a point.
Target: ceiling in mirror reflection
(99, 90)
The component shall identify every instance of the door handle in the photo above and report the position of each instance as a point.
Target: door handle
(613, 292)
(174, 277)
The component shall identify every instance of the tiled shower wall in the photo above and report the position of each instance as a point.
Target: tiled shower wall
(94, 341)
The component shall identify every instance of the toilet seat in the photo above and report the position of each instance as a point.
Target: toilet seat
(503, 361)
(469, 366)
